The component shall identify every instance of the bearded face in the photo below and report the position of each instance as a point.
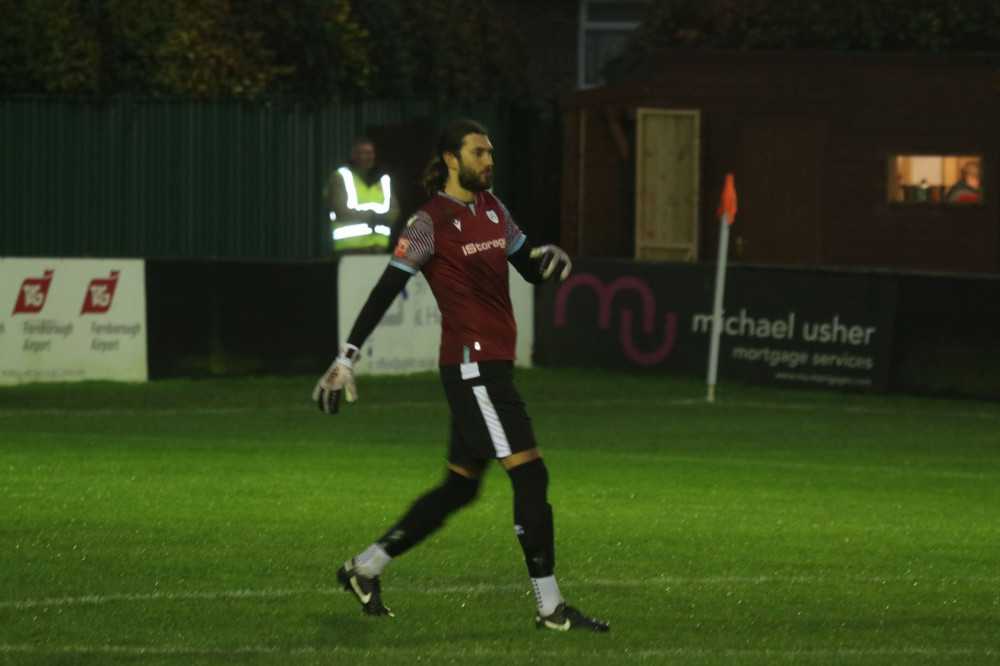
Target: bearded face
(474, 179)
(475, 163)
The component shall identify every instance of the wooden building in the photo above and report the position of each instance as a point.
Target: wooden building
(840, 160)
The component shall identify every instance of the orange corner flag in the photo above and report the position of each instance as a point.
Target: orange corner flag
(727, 203)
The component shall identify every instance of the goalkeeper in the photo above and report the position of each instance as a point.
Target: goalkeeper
(462, 240)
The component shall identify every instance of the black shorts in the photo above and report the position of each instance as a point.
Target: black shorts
(488, 418)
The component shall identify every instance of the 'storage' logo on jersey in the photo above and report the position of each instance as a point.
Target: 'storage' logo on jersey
(472, 248)
(401, 247)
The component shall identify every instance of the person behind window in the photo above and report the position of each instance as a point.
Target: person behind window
(362, 207)
(967, 189)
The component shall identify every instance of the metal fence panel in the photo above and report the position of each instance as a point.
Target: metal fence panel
(156, 178)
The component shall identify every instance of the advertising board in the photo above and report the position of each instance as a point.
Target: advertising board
(778, 327)
(72, 320)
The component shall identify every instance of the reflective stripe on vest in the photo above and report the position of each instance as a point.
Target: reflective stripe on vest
(369, 193)
(349, 235)
(358, 235)
(345, 231)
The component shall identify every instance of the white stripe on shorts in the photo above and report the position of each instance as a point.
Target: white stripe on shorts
(497, 434)
(469, 370)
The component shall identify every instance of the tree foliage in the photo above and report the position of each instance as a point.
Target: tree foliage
(803, 25)
(320, 46)
(449, 49)
(315, 50)
(47, 46)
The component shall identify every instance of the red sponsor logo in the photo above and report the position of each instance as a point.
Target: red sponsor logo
(401, 247)
(34, 291)
(99, 294)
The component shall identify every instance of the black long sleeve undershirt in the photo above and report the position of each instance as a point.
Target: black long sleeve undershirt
(529, 268)
(383, 294)
(394, 279)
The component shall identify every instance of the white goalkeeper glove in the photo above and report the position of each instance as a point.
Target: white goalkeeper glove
(339, 377)
(551, 256)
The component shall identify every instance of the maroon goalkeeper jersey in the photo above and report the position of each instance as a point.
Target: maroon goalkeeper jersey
(462, 250)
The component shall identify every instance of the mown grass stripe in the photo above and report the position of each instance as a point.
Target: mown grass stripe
(536, 404)
(425, 651)
(489, 588)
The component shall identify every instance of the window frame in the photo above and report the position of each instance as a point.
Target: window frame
(903, 191)
(586, 26)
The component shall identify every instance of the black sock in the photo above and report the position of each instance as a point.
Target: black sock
(429, 512)
(533, 517)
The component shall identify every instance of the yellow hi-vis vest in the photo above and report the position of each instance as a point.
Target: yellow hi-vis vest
(353, 235)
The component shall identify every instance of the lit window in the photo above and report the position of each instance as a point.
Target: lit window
(604, 31)
(951, 180)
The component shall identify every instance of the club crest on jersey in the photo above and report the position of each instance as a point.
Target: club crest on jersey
(458, 225)
(492, 214)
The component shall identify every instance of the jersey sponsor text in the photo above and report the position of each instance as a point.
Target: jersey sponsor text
(472, 248)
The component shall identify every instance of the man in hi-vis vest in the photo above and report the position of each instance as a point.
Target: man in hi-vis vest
(362, 207)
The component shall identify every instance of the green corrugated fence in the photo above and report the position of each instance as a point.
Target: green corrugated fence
(154, 178)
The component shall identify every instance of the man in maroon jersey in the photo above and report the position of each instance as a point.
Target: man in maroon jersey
(462, 240)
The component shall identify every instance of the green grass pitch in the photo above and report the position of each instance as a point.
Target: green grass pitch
(201, 522)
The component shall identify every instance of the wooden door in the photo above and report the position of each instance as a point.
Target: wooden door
(666, 190)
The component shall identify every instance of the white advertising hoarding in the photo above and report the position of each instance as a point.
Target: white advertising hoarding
(72, 320)
(407, 338)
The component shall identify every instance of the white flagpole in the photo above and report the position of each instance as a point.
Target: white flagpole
(727, 212)
(720, 288)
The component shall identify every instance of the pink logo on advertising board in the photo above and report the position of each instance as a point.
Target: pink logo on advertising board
(99, 294)
(34, 291)
(605, 294)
